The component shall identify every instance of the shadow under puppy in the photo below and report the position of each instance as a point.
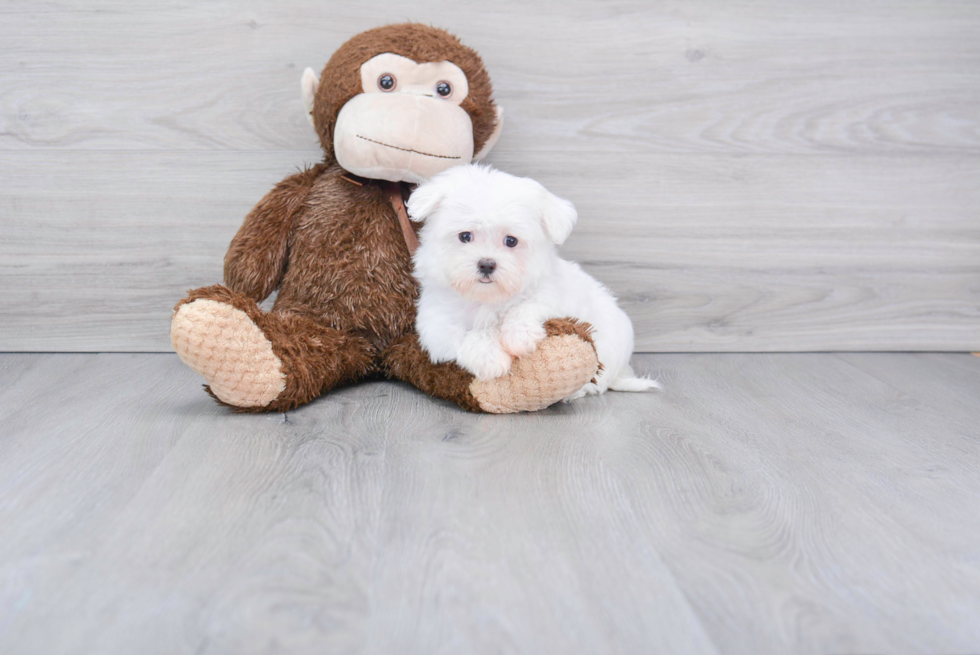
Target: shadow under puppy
(491, 276)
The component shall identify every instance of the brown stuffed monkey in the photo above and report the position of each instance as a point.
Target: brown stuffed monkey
(394, 105)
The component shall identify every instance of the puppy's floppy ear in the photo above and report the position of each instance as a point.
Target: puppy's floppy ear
(558, 217)
(426, 198)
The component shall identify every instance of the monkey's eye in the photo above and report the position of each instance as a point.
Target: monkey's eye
(386, 82)
(465, 237)
(444, 89)
(510, 242)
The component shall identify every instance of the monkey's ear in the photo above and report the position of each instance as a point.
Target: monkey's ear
(558, 217)
(426, 198)
(485, 150)
(309, 84)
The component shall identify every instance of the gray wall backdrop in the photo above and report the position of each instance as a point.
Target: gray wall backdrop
(749, 175)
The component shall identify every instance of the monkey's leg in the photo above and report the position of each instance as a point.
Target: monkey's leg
(255, 361)
(562, 363)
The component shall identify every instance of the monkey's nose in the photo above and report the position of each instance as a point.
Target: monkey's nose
(486, 266)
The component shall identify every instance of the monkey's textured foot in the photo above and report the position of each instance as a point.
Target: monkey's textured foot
(224, 345)
(563, 362)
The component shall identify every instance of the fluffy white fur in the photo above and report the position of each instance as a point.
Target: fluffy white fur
(483, 321)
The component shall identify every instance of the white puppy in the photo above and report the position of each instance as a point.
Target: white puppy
(491, 276)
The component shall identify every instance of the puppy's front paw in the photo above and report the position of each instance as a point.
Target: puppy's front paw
(521, 339)
(484, 358)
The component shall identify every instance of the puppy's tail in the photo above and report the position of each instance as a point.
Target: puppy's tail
(628, 381)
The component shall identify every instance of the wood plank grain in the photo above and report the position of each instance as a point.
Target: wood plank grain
(109, 273)
(495, 509)
(804, 489)
(728, 268)
(264, 532)
(805, 503)
(759, 77)
(755, 176)
(165, 521)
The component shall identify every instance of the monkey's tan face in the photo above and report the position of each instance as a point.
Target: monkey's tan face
(408, 124)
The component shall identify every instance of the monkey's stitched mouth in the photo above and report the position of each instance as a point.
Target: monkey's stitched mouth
(388, 145)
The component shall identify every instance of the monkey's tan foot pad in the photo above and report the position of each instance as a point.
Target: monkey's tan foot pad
(559, 367)
(222, 344)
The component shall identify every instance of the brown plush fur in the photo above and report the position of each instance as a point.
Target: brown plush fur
(406, 360)
(315, 357)
(559, 326)
(341, 78)
(256, 259)
(346, 292)
(334, 249)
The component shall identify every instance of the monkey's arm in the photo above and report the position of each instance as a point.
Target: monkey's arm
(256, 258)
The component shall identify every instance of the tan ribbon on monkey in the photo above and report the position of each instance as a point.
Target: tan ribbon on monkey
(394, 191)
(398, 204)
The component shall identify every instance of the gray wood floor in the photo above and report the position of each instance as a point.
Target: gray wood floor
(793, 503)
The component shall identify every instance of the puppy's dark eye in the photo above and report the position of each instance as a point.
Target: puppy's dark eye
(465, 237)
(386, 82)
(444, 89)
(510, 242)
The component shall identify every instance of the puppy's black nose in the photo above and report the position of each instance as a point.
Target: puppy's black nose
(486, 266)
